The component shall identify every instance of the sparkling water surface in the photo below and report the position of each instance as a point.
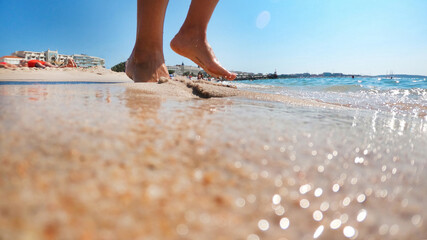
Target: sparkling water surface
(136, 166)
(363, 82)
(399, 95)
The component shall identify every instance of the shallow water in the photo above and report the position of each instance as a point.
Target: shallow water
(362, 82)
(399, 95)
(128, 165)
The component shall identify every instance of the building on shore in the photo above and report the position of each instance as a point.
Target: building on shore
(244, 75)
(183, 70)
(47, 56)
(11, 59)
(82, 60)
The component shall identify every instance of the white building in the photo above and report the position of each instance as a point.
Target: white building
(185, 70)
(244, 75)
(11, 59)
(81, 60)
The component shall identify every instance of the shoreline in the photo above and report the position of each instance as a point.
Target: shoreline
(176, 87)
(179, 86)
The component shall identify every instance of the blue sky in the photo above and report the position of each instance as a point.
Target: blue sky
(292, 36)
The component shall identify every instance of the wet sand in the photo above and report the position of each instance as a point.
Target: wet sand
(163, 161)
(180, 87)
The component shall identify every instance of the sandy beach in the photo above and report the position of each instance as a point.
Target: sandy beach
(105, 158)
(180, 87)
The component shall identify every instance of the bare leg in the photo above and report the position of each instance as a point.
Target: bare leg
(147, 63)
(8, 66)
(49, 65)
(191, 40)
(39, 65)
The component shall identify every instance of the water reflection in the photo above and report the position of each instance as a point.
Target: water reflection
(394, 122)
(231, 168)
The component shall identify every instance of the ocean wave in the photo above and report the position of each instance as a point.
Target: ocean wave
(344, 88)
(406, 101)
(363, 95)
(249, 86)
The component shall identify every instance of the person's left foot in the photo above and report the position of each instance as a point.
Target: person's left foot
(196, 48)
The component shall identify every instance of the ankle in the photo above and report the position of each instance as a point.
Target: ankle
(147, 55)
(192, 31)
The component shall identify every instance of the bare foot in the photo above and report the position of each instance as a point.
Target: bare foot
(146, 68)
(197, 48)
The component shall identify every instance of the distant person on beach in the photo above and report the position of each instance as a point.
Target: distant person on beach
(146, 62)
(199, 76)
(71, 63)
(7, 65)
(36, 63)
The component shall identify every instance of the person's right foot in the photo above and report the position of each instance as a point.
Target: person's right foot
(196, 48)
(146, 68)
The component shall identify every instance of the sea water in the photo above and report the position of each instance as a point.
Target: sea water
(398, 95)
(131, 165)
